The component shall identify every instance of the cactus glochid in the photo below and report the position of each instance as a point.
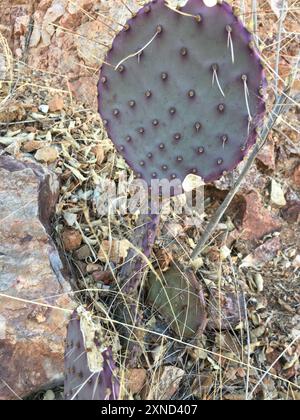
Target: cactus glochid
(182, 91)
(89, 365)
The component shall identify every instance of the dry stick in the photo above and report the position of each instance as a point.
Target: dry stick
(277, 110)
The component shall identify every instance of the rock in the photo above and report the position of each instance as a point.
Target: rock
(267, 156)
(49, 396)
(135, 380)
(277, 194)
(56, 104)
(256, 221)
(32, 145)
(254, 179)
(31, 336)
(263, 253)
(58, 51)
(83, 253)
(291, 212)
(36, 32)
(105, 277)
(296, 176)
(53, 13)
(44, 109)
(47, 154)
(232, 307)
(87, 45)
(72, 239)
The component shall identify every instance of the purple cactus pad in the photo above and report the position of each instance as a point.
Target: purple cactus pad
(192, 101)
(80, 382)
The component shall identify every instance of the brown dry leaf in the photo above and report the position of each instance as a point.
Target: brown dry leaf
(14, 111)
(135, 380)
(235, 397)
(115, 250)
(202, 386)
(99, 153)
(164, 259)
(32, 145)
(165, 383)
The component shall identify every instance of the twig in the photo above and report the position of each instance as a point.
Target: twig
(277, 110)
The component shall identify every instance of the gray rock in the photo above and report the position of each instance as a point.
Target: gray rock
(31, 335)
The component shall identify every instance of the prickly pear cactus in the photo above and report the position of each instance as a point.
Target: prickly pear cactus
(182, 91)
(179, 301)
(90, 371)
(132, 271)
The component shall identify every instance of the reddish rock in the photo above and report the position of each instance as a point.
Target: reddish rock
(56, 104)
(226, 310)
(72, 239)
(291, 212)
(267, 156)
(57, 50)
(254, 179)
(296, 176)
(256, 221)
(31, 336)
(106, 277)
(263, 253)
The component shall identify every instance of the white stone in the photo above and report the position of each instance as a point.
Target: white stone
(277, 194)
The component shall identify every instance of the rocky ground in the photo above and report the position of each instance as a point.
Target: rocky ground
(52, 140)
